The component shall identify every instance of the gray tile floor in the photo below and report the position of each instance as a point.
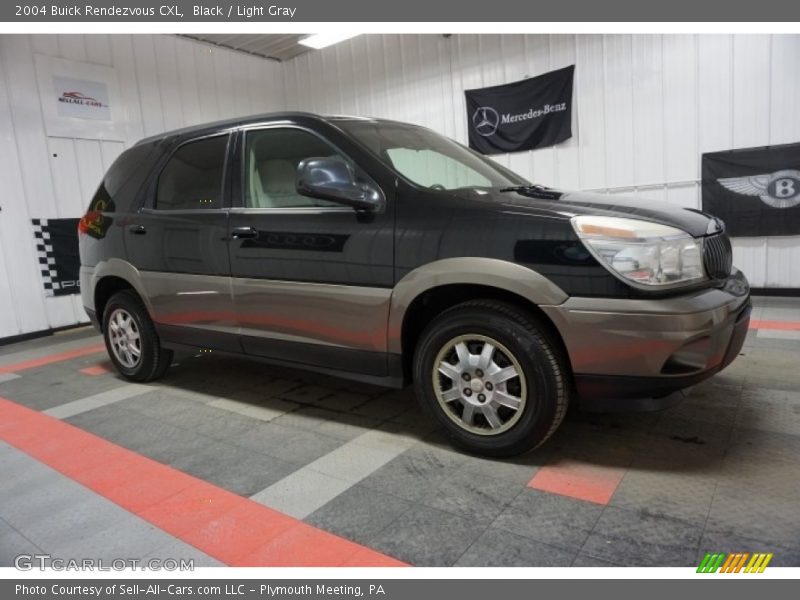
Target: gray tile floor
(718, 472)
(45, 512)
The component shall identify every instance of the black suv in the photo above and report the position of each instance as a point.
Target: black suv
(384, 252)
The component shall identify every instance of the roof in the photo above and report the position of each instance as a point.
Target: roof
(249, 120)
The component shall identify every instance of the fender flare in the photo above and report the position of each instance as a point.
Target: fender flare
(491, 272)
(116, 267)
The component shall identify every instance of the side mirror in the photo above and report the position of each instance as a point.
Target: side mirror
(333, 179)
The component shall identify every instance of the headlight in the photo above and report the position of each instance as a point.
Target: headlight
(640, 252)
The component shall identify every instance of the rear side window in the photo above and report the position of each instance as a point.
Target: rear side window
(124, 179)
(192, 178)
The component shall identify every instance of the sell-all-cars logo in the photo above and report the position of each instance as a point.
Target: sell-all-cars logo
(734, 562)
(780, 189)
(80, 99)
(485, 120)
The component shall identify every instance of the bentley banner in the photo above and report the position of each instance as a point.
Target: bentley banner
(756, 191)
(527, 114)
(57, 246)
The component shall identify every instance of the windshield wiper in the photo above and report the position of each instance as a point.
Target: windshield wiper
(534, 191)
(524, 188)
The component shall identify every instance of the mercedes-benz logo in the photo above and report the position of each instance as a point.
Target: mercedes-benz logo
(485, 120)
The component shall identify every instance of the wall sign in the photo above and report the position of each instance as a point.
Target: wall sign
(524, 115)
(80, 100)
(59, 261)
(756, 191)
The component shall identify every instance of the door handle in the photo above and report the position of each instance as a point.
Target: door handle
(137, 229)
(244, 233)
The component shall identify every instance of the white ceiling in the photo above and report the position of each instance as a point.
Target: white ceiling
(274, 46)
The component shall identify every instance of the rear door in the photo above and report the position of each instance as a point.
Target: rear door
(312, 279)
(178, 243)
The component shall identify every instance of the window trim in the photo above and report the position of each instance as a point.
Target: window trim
(152, 206)
(238, 202)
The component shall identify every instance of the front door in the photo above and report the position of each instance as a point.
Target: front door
(311, 279)
(178, 243)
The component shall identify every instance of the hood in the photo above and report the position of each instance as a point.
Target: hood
(568, 204)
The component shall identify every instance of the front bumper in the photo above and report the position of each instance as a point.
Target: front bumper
(626, 352)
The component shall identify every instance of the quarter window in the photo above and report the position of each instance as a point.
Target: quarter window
(192, 179)
(271, 159)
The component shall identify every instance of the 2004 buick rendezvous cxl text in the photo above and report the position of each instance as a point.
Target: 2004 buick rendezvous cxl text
(384, 252)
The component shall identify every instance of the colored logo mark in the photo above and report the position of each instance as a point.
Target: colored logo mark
(734, 562)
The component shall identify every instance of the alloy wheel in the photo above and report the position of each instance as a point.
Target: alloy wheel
(479, 384)
(124, 338)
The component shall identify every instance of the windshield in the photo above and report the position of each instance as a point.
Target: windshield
(427, 158)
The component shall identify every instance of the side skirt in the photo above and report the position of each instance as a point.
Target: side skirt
(383, 370)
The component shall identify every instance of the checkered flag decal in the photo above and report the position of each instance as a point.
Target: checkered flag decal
(57, 249)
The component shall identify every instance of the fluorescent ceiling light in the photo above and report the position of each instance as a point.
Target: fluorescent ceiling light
(323, 40)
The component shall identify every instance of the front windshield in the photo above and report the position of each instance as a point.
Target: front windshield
(427, 158)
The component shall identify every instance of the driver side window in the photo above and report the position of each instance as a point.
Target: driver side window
(271, 159)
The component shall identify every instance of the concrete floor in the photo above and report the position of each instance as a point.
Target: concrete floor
(362, 473)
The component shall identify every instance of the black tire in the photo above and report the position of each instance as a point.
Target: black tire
(546, 393)
(153, 360)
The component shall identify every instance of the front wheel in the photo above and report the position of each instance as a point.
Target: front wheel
(131, 339)
(491, 375)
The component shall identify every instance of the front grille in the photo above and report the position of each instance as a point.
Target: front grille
(717, 256)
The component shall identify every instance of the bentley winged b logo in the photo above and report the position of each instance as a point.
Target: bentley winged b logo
(485, 120)
(780, 189)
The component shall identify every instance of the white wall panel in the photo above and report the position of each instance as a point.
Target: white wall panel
(124, 63)
(167, 76)
(679, 64)
(781, 262)
(648, 109)
(750, 255)
(591, 105)
(715, 92)
(785, 83)
(165, 82)
(646, 106)
(98, 49)
(20, 268)
(144, 56)
(223, 81)
(751, 90)
(618, 103)
(72, 47)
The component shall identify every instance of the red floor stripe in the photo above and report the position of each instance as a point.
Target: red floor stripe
(52, 358)
(784, 325)
(232, 529)
(98, 369)
(579, 480)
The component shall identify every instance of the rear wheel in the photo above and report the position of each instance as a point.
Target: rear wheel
(131, 339)
(491, 376)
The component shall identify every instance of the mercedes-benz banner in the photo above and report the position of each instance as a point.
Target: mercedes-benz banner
(523, 115)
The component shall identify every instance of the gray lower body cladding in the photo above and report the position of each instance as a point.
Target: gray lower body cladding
(621, 350)
(625, 350)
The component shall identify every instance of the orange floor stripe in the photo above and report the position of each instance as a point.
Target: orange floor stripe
(224, 525)
(52, 358)
(783, 325)
(98, 369)
(578, 480)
